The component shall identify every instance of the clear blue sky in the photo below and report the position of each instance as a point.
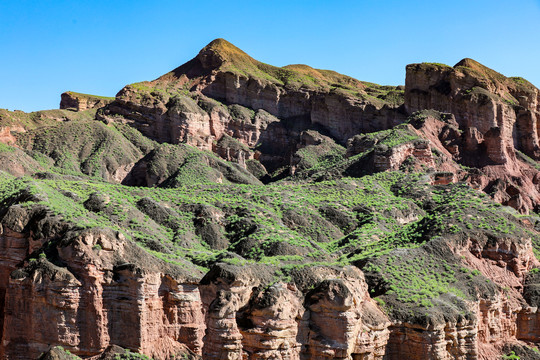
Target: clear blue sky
(99, 46)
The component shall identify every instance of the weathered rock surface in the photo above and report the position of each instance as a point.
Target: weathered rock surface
(473, 329)
(227, 102)
(134, 301)
(336, 320)
(129, 298)
(268, 110)
(80, 102)
(491, 121)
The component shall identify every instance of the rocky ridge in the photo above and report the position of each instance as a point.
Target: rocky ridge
(372, 238)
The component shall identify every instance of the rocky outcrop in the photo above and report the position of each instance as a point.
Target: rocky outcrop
(313, 148)
(336, 320)
(95, 292)
(87, 290)
(344, 322)
(135, 301)
(172, 166)
(6, 134)
(267, 110)
(454, 339)
(227, 102)
(491, 124)
(504, 316)
(514, 183)
(233, 132)
(402, 147)
(391, 159)
(129, 298)
(480, 326)
(80, 102)
(340, 113)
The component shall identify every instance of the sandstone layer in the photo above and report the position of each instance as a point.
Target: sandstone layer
(108, 291)
(224, 91)
(80, 102)
(491, 124)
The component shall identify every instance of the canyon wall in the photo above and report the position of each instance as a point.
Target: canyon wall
(89, 289)
(489, 122)
(86, 290)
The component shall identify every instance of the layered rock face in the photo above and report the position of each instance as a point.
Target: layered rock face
(111, 292)
(391, 159)
(481, 328)
(341, 114)
(80, 102)
(224, 94)
(92, 289)
(501, 317)
(205, 124)
(320, 100)
(6, 135)
(336, 320)
(504, 111)
(495, 121)
(269, 110)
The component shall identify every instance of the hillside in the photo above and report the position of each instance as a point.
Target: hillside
(231, 209)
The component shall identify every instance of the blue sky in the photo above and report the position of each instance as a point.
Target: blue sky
(99, 46)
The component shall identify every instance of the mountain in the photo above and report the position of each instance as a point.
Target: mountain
(231, 209)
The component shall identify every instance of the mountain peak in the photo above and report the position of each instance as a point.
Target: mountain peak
(220, 51)
(481, 70)
(468, 62)
(223, 46)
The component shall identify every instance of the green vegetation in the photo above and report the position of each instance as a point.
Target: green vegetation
(17, 119)
(6, 148)
(128, 355)
(437, 64)
(192, 209)
(418, 280)
(311, 159)
(527, 159)
(290, 225)
(511, 356)
(393, 137)
(89, 96)
(206, 209)
(327, 159)
(82, 147)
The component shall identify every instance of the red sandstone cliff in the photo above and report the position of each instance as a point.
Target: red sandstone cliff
(89, 289)
(93, 288)
(223, 91)
(490, 123)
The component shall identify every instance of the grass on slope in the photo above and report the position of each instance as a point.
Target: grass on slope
(87, 147)
(256, 219)
(89, 96)
(42, 118)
